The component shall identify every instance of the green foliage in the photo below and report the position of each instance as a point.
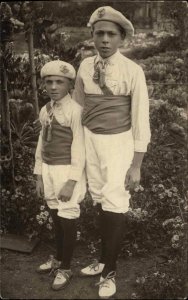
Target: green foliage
(88, 222)
(177, 11)
(158, 215)
(22, 115)
(164, 282)
(166, 43)
(81, 12)
(167, 80)
(22, 212)
(18, 207)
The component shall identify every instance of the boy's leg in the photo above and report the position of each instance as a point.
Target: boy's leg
(115, 154)
(64, 272)
(58, 234)
(52, 204)
(95, 182)
(95, 186)
(68, 226)
(102, 228)
(113, 224)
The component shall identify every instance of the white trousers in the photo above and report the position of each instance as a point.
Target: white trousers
(108, 158)
(54, 178)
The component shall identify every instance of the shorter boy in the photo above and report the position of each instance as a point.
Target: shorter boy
(59, 166)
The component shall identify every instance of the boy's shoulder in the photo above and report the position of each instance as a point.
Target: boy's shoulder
(121, 58)
(43, 109)
(129, 62)
(87, 61)
(75, 107)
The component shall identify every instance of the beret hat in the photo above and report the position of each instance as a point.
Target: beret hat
(107, 13)
(58, 68)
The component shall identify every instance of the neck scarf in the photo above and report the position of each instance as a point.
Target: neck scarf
(99, 77)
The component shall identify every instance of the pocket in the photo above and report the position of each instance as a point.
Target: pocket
(111, 83)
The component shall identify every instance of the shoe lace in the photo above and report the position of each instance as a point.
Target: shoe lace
(59, 273)
(94, 265)
(54, 264)
(50, 259)
(105, 282)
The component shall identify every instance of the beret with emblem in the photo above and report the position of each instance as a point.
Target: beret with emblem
(107, 13)
(58, 68)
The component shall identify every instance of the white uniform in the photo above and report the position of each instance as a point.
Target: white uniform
(108, 157)
(68, 113)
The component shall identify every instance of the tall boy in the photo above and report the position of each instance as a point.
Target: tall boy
(113, 92)
(60, 160)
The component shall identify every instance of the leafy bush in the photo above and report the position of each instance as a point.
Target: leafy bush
(22, 116)
(21, 210)
(166, 43)
(17, 207)
(164, 174)
(165, 282)
(165, 80)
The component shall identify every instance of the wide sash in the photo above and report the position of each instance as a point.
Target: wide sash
(107, 114)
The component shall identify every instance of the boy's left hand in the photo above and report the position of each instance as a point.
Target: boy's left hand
(132, 178)
(67, 190)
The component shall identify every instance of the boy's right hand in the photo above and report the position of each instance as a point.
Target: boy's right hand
(39, 186)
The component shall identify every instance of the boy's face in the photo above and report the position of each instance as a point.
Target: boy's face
(57, 87)
(107, 38)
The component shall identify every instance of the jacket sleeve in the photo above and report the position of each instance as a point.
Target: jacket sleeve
(78, 144)
(140, 112)
(38, 154)
(78, 93)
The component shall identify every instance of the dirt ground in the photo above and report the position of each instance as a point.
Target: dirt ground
(19, 280)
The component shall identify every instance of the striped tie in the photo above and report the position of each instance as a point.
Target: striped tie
(99, 77)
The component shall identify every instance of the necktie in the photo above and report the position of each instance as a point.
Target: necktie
(99, 77)
(48, 126)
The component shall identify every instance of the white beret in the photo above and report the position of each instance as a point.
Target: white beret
(58, 68)
(107, 13)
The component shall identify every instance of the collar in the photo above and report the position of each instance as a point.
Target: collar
(111, 60)
(61, 102)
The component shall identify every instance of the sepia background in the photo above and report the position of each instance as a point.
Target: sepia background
(153, 261)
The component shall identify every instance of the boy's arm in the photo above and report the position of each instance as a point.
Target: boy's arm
(78, 93)
(140, 127)
(38, 164)
(78, 145)
(77, 155)
(38, 157)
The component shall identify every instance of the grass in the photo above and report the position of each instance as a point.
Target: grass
(76, 35)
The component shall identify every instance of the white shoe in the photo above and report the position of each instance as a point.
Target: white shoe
(51, 264)
(62, 279)
(107, 286)
(93, 269)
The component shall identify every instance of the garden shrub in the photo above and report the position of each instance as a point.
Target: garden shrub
(159, 217)
(166, 43)
(22, 212)
(166, 281)
(158, 209)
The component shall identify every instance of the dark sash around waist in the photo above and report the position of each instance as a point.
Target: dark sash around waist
(107, 114)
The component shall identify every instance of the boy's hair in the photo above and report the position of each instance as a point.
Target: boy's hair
(71, 81)
(121, 30)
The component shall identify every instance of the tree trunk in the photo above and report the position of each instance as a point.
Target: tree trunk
(33, 71)
(6, 128)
